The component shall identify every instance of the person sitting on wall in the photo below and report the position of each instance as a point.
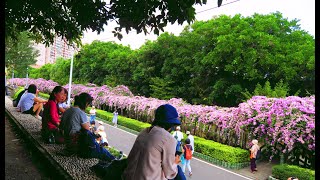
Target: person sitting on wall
(51, 120)
(30, 103)
(73, 120)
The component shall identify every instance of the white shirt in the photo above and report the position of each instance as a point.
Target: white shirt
(191, 141)
(92, 111)
(179, 134)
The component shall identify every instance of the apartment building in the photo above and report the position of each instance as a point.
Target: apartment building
(59, 48)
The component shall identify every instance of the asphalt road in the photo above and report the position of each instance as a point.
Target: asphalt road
(123, 141)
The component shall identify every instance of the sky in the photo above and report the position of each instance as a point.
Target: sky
(291, 9)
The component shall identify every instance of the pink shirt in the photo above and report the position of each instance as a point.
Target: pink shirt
(152, 156)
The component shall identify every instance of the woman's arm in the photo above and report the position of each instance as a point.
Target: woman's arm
(39, 100)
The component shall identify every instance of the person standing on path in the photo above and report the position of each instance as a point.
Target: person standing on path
(92, 113)
(253, 154)
(152, 156)
(189, 136)
(178, 136)
(115, 118)
(186, 148)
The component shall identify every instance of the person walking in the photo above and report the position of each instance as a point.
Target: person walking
(153, 155)
(189, 136)
(92, 113)
(115, 118)
(178, 136)
(187, 148)
(253, 154)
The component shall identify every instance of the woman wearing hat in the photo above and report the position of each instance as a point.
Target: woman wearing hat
(153, 153)
(253, 150)
(189, 136)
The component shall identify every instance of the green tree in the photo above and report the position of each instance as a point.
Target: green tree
(20, 54)
(70, 18)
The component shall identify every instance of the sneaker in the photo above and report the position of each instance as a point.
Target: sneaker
(190, 174)
(38, 117)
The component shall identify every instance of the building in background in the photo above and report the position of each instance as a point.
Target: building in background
(59, 48)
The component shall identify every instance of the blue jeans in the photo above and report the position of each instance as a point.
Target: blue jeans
(103, 154)
(92, 118)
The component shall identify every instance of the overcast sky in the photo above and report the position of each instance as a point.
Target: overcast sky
(291, 9)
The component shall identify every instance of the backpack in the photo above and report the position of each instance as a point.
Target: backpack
(258, 156)
(176, 136)
(16, 101)
(188, 153)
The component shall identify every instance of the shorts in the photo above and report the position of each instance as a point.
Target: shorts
(30, 111)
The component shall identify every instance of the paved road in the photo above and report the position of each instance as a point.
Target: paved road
(123, 140)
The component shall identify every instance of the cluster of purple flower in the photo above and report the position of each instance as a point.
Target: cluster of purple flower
(288, 121)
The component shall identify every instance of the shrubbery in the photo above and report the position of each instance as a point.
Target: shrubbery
(282, 172)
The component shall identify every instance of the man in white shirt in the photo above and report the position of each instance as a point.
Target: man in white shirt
(189, 136)
(178, 136)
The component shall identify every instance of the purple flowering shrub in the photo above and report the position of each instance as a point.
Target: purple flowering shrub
(280, 123)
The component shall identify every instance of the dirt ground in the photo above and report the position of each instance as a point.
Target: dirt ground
(20, 161)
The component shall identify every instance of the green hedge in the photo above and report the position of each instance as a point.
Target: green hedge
(207, 147)
(17, 91)
(283, 171)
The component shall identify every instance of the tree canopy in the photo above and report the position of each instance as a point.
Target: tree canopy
(20, 54)
(69, 18)
(221, 61)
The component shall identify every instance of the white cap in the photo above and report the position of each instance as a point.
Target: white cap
(188, 132)
(178, 128)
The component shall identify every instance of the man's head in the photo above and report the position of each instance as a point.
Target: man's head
(188, 133)
(187, 141)
(178, 128)
(166, 116)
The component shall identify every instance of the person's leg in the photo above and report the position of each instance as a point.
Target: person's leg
(252, 164)
(104, 154)
(255, 165)
(37, 108)
(184, 166)
(189, 167)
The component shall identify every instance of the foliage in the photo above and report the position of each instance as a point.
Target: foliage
(20, 54)
(280, 90)
(283, 171)
(161, 89)
(70, 18)
(59, 72)
(216, 62)
(43, 72)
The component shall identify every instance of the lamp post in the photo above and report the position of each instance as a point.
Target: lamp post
(70, 80)
(27, 78)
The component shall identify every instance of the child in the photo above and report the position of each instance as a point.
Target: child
(103, 135)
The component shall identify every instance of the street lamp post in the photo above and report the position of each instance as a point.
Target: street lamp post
(70, 80)
(27, 78)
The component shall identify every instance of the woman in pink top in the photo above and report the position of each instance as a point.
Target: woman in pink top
(51, 120)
